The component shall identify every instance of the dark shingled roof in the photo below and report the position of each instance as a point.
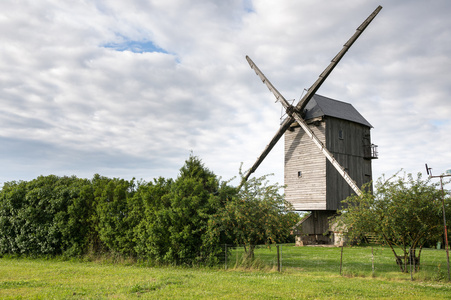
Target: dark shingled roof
(320, 106)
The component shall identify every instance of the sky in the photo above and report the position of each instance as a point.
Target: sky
(133, 88)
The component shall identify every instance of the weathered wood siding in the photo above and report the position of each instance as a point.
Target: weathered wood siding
(308, 191)
(320, 186)
(348, 151)
(317, 222)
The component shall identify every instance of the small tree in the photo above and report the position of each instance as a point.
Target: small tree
(403, 212)
(258, 214)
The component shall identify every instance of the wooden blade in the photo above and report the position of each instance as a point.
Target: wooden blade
(268, 147)
(282, 128)
(327, 153)
(322, 77)
(294, 113)
(265, 80)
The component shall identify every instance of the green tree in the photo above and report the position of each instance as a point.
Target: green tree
(12, 201)
(404, 212)
(152, 238)
(174, 229)
(47, 215)
(257, 214)
(73, 197)
(116, 210)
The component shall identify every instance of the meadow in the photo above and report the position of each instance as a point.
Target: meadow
(307, 273)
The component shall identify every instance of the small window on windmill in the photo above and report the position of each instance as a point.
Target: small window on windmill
(299, 174)
(340, 134)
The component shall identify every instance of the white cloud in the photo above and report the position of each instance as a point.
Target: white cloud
(71, 104)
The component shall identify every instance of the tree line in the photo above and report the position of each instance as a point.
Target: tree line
(186, 220)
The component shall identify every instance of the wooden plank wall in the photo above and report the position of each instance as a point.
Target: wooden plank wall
(321, 187)
(317, 222)
(301, 154)
(350, 154)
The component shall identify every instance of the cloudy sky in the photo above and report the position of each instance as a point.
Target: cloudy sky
(131, 88)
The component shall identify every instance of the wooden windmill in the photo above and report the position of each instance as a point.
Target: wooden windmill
(314, 118)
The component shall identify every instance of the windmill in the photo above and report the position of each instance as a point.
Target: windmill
(296, 117)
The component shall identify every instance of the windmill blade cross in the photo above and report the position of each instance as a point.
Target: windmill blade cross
(295, 111)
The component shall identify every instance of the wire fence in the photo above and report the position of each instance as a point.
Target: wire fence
(360, 261)
(252, 256)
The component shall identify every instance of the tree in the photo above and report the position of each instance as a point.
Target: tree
(114, 220)
(257, 214)
(176, 216)
(47, 215)
(404, 212)
(12, 202)
(152, 239)
(182, 221)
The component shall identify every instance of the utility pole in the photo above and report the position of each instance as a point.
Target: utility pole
(429, 172)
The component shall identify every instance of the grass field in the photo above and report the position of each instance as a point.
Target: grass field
(356, 262)
(307, 273)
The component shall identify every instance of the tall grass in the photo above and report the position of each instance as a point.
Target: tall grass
(307, 273)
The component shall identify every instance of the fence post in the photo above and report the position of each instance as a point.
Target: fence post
(225, 264)
(278, 259)
(410, 262)
(341, 259)
(281, 258)
(372, 259)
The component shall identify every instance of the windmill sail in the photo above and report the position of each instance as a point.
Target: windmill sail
(295, 114)
(282, 128)
(303, 102)
(314, 88)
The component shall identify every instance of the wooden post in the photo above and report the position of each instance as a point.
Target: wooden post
(225, 255)
(341, 259)
(410, 262)
(372, 259)
(281, 259)
(278, 259)
(444, 216)
(444, 223)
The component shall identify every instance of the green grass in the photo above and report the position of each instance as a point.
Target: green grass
(307, 273)
(357, 261)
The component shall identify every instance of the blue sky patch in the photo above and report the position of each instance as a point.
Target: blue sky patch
(248, 7)
(439, 122)
(135, 46)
